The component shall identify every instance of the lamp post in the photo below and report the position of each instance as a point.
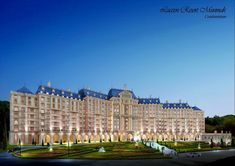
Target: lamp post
(68, 148)
(20, 146)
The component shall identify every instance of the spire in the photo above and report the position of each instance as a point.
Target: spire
(125, 87)
(49, 84)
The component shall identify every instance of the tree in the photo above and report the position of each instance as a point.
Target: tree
(33, 141)
(4, 123)
(212, 143)
(221, 143)
(233, 142)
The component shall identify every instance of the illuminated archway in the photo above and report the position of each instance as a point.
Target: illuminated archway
(79, 138)
(129, 137)
(30, 139)
(65, 138)
(72, 138)
(115, 137)
(47, 139)
(56, 138)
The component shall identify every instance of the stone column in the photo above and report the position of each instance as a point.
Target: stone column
(82, 137)
(68, 137)
(12, 138)
(26, 138)
(95, 137)
(111, 136)
(52, 139)
(41, 137)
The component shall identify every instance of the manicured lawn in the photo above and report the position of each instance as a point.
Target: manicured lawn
(8, 147)
(115, 150)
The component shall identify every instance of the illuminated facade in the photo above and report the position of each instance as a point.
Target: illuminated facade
(53, 116)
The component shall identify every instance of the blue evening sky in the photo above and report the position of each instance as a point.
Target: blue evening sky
(103, 44)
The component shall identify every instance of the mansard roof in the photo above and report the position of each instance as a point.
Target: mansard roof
(149, 100)
(24, 90)
(115, 92)
(175, 105)
(178, 106)
(112, 93)
(196, 108)
(86, 92)
(59, 92)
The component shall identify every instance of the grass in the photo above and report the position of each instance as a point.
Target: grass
(8, 147)
(114, 150)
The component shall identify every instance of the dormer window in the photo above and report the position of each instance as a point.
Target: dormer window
(62, 92)
(71, 94)
(53, 90)
(43, 88)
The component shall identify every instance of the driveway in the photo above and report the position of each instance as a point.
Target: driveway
(7, 160)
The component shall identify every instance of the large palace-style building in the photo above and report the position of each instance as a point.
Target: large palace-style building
(58, 116)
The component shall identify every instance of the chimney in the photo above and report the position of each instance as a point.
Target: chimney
(180, 101)
(167, 101)
(125, 87)
(49, 84)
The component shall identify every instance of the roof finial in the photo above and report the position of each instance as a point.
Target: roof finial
(125, 87)
(49, 84)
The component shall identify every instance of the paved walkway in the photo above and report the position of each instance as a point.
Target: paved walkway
(7, 160)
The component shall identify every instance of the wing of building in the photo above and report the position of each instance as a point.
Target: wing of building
(55, 115)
